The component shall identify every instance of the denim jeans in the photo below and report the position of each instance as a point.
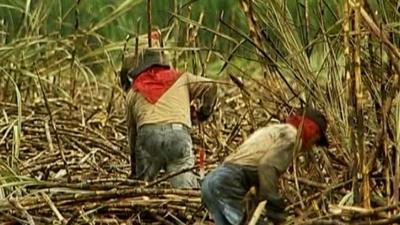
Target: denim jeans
(222, 193)
(165, 146)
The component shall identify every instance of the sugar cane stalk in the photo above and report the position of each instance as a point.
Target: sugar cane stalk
(359, 106)
(149, 22)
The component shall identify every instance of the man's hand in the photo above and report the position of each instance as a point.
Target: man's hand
(199, 115)
(203, 113)
(278, 204)
(275, 210)
(276, 217)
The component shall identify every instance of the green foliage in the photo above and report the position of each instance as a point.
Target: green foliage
(60, 16)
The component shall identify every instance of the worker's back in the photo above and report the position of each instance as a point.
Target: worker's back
(173, 106)
(274, 143)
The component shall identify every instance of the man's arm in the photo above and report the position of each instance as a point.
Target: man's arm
(206, 91)
(127, 64)
(131, 134)
(270, 167)
(268, 186)
(131, 143)
(275, 161)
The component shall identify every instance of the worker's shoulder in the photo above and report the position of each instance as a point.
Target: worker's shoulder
(279, 130)
(194, 78)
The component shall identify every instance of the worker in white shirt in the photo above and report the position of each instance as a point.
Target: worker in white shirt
(259, 162)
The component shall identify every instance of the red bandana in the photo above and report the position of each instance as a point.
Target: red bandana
(310, 128)
(154, 82)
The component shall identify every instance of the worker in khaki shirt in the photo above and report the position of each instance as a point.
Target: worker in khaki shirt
(259, 162)
(159, 116)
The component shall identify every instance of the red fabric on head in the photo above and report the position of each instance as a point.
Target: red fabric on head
(310, 128)
(154, 82)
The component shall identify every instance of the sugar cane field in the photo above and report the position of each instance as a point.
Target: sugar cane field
(65, 157)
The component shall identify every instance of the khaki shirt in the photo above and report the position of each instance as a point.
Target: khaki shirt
(172, 107)
(270, 151)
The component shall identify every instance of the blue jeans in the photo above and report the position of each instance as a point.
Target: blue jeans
(222, 193)
(165, 146)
